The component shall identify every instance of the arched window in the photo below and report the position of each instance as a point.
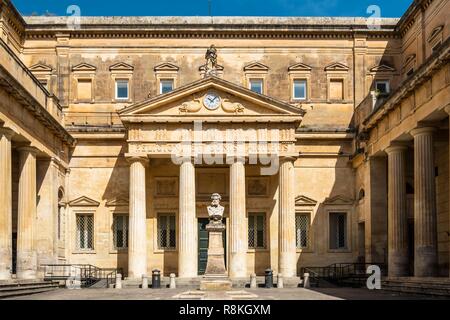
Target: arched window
(60, 211)
(362, 194)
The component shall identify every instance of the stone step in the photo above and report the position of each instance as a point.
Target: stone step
(29, 287)
(414, 286)
(19, 293)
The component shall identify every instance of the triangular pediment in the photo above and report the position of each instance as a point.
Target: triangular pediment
(337, 66)
(256, 66)
(191, 100)
(409, 58)
(84, 67)
(40, 67)
(382, 68)
(299, 67)
(118, 202)
(84, 202)
(166, 66)
(435, 32)
(305, 201)
(121, 66)
(339, 200)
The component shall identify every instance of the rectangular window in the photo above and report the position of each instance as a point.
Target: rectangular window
(122, 89)
(436, 46)
(299, 90)
(256, 85)
(44, 83)
(257, 230)
(302, 227)
(84, 89)
(120, 231)
(336, 89)
(166, 85)
(382, 86)
(338, 230)
(166, 231)
(85, 232)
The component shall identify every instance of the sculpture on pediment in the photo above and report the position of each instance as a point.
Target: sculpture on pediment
(215, 210)
(234, 107)
(191, 106)
(211, 61)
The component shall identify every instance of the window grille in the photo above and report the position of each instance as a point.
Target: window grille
(302, 227)
(85, 232)
(338, 230)
(120, 232)
(257, 230)
(166, 231)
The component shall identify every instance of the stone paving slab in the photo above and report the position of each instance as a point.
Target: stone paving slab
(259, 294)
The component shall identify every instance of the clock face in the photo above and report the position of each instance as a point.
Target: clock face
(212, 101)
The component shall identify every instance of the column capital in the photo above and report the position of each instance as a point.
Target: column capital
(447, 109)
(232, 160)
(395, 148)
(422, 130)
(287, 159)
(8, 133)
(28, 149)
(132, 158)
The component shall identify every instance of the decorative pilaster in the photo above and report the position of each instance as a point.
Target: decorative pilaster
(238, 222)
(287, 249)
(26, 255)
(425, 235)
(187, 226)
(137, 249)
(397, 215)
(5, 204)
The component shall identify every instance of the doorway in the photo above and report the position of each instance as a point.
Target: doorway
(203, 242)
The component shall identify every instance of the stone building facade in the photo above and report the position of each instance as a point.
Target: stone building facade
(355, 112)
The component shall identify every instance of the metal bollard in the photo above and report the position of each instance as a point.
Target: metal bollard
(269, 279)
(144, 281)
(173, 284)
(118, 281)
(280, 281)
(253, 283)
(306, 283)
(156, 279)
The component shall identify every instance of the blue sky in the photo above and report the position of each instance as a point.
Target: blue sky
(389, 8)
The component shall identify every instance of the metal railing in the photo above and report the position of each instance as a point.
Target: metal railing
(339, 273)
(87, 274)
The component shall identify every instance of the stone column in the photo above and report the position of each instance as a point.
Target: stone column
(425, 226)
(238, 223)
(137, 249)
(5, 204)
(447, 109)
(397, 215)
(26, 254)
(287, 248)
(187, 223)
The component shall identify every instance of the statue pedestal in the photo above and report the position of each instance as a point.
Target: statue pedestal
(216, 277)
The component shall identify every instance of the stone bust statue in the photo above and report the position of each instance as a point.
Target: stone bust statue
(215, 210)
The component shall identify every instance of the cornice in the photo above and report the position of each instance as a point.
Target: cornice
(408, 19)
(431, 66)
(212, 34)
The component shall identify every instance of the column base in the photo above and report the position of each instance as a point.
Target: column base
(425, 262)
(398, 266)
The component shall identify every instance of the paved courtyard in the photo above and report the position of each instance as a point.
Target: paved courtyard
(256, 294)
